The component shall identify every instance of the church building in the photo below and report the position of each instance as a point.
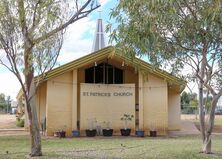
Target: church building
(103, 86)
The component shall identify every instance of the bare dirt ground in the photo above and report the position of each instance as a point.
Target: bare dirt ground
(8, 126)
(7, 121)
(189, 117)
(195, 119)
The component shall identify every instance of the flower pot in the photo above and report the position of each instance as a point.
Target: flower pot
(75, 133)
(140, 133)
(125, 132)
(153, 133)
(107, 132)
(56, 134)
(62, 134)
(90, 133)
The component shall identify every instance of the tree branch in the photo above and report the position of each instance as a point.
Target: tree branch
(190, 9)
(74, 18)
(34, 16)
(22, 20)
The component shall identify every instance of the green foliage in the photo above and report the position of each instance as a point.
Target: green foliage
(194, 103)
(40, 17)
(174, 35)
(171, 33)
(127, 117)
(188, 99)
(184, 100)
(20, 122)
(5, 102)
(207, 101)
(189, 103)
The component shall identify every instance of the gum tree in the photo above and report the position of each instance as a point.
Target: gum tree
(31, 36)
(176, 34)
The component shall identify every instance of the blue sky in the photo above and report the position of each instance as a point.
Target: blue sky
(79, 37)
(78, 42)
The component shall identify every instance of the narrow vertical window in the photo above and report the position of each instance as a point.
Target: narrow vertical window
(104, 73)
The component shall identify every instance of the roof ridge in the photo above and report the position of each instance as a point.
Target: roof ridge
(110, 51)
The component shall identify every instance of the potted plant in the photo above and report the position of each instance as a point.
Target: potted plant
(91, 132)
(140, 133)
(126, 131)
(56, 134)
(107, 131)
(75, 133)
(61, 133)
(153, 132)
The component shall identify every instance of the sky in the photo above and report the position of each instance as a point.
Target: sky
(78, 42)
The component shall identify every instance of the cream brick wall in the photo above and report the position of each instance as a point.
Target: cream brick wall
(40, 106)
(65, 105)
(80, 79)
(155, 105)
(59, 103)
(132, 77)
(106, 108)
(74, 106)
(60, 100)
(174, 110)
(41, 102)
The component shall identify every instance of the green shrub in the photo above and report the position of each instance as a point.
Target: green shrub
(20, 122)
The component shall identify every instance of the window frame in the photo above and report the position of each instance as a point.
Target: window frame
(105, 74)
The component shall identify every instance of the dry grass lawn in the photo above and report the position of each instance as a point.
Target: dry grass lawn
(188, 147)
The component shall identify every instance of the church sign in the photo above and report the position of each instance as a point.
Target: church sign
(107, 94)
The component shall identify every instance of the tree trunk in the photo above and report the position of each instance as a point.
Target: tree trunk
(30, 90)
(207, 142)
(201, 112)
(36, 149)
(207, 145)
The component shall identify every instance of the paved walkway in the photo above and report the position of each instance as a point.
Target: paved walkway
(187, 128)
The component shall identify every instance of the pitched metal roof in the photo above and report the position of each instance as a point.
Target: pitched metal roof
(109, 52)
